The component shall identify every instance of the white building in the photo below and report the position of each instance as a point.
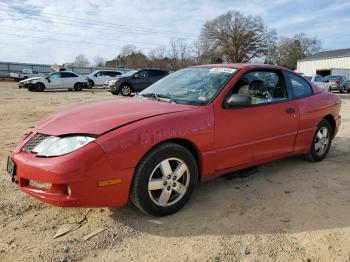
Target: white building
(326, 63)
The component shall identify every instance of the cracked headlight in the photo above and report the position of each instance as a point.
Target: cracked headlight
(57, 146)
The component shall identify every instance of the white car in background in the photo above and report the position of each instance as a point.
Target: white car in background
(56, 80)
(98, 78)
(318, 80)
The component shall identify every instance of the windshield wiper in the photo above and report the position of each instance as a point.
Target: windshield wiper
(159, 97)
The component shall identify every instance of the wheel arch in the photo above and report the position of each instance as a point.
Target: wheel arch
(126, 83)
(186, 143)
(331, 120)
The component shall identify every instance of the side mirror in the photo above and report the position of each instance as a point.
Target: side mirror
(48, 79)
(239, 101)
(136, 76)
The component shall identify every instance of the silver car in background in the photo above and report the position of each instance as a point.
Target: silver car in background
(339, 83)
(318, 80)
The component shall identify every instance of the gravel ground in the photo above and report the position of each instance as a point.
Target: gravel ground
(290, 210)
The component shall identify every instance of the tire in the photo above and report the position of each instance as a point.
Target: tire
(114, 90)
(169, 193)
(78, 87)
(321, 142)
(125, 90)
(90, 84)
(39, 87)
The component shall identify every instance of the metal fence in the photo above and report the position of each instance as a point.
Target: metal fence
(10, 67)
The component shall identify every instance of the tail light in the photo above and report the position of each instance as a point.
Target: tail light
(338, 82)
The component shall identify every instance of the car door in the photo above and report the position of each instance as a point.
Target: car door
(69, 79)
(141, 80)
(155, 75)
(262, 131)
(101, 77)
(54, 81)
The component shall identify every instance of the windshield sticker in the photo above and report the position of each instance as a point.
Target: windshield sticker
(203, 98)
(222, 70)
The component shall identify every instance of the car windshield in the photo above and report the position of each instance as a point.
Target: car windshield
(333, 77)
(196, 85)
(130, 73)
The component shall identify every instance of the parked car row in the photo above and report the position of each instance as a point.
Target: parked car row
(330, 83)
(114, 81)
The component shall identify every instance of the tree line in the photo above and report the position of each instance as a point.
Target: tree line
(230, 38)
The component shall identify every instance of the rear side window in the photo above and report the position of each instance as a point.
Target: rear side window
(113, 74)
(300, 86)
(67, 75)
(157, 73)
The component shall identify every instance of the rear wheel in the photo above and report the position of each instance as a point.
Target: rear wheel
(114, 90)
(39, 87)
(322, 142)
(125, 90)
(78, 87)
(164, 180)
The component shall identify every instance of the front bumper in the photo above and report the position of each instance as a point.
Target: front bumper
(24, 85)
(74, 180)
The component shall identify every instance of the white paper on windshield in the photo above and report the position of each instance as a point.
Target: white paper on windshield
(222, 70)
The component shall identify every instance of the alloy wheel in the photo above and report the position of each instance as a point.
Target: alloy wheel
(168, 182)
(322, 140)
(125, 90)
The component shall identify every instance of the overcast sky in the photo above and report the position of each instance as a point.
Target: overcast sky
(44, 31)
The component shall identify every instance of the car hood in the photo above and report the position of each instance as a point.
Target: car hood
(32, 78)
(102, 116)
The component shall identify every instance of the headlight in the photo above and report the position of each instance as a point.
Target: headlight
(57, 146)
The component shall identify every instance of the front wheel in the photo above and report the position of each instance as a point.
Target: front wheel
(39, 87)
(125, 90)
(90, 84)
(164, 180)
(322, 142)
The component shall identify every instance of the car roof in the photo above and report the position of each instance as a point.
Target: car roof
(66, 71)
(241, 66)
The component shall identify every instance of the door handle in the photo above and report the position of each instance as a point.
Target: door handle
(290, 110)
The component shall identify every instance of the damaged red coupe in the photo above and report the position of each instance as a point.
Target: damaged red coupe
(192, 125)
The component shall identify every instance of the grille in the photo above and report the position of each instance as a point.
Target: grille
(33, 142)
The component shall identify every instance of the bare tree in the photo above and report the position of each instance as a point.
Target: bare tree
(128, 50)
(81, 61)
(287, 51)
(173, 55)
(182, 47)
(197, 50)
(99, 61)
(157, 57)
(234, 37)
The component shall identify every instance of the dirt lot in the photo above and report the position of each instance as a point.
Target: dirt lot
(290, 210)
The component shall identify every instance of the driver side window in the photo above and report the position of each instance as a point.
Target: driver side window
(262, 86)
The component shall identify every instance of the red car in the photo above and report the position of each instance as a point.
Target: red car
(191, 126)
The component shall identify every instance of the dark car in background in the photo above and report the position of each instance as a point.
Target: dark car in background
(338, 83)
(136, 81)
